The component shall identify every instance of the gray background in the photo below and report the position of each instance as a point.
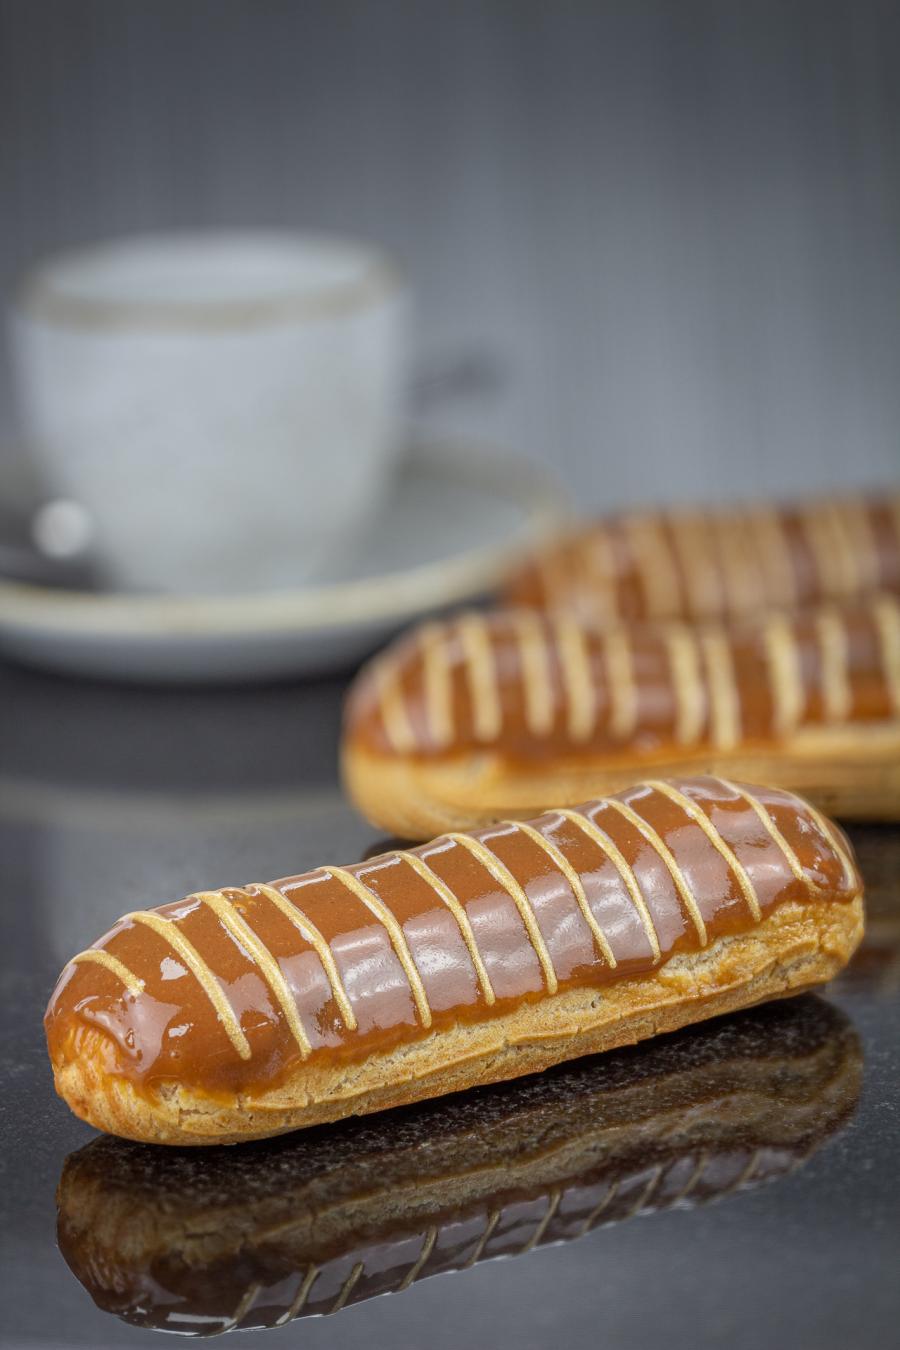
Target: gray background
(665, 234)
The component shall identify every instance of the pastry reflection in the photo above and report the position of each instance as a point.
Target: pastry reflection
(206, 1241)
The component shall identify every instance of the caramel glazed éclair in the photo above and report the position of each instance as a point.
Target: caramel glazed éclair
(241, 1012)
(717, 563)
(509, 712)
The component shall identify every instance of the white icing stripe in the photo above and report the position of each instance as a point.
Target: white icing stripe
(259, 953)
(507, 882)
(625, 871)
(168, 930)
(395, 933)
(562, 863)
(849, 563)
(785, 674)
(300, 1297)
(481, 676)
(537, 1235)
(836, 693)
(444, 893)
(415, 1269)
(97, 956)
(392, 705)
(654, 564)
(438, 683)
(687, 683)
(775, 834)
(602, 573)
(776, 556)
(599, 1210)
(725, 713)
(311, 934)
(857, 523)
(493, 1220)
(828, 831)
(346, 1288)
(886, 613)
(578, 683)
(623, 693)
(659, 846)
(535, 672)
(699, 816)
(702, 582)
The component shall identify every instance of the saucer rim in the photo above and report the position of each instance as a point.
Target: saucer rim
(330, 606)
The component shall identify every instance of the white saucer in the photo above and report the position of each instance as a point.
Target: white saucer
(455, 522)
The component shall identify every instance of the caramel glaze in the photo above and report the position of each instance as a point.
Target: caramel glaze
(562, 687)
(571, 899)
(717, 564)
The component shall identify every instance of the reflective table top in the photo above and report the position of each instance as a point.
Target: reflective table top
(736, 1184)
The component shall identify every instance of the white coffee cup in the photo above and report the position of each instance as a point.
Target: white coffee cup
(225, 406)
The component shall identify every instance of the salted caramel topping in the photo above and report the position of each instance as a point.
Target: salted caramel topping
(561, 861)
(241, 931)
(626, 872)
(832, 636)
(684, 663)
(444, 893)
(578, 682)
(886, 613)
(395, 933)
(537, 682)
(622, 686)
(660, 847)
(785, 675)
(724, 704)
(438, 684)
(505, 879)
(481, 674)
(305, 926)
(681, 799)
(132, 983)
(169, 931)
(833, 837)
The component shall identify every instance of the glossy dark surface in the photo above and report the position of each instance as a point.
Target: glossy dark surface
(113, 799)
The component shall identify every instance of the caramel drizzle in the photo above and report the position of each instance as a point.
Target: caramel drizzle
(599, 1209)
(660, 847)
(346, 1288)
(578, 684)
(444, 893)
(832, 635)
(560, 860)
(687, 686)
(300, 1297)
(493, 1220)
(785, 675)
(623, 691)
(723, 691)
(545, 1221)
(625, 871)
(240, 930)
(170, 933)
(311, 934)
(722, 848)
(654, 563)
(774, 833)
(398, 941)
(481, 675)
(133, 983)
(776, 556)
(702, 580)
(438, 683)
(415, 1269)
(886, 613)
(536, 674)
(392, 704)
(507, 882)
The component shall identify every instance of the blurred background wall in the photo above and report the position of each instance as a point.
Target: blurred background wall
(661, 236)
